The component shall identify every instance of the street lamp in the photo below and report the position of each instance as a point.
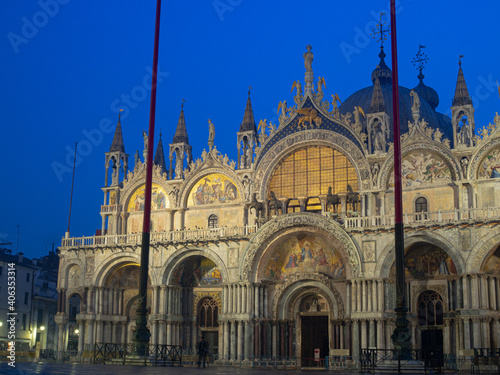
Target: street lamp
(42, 328)
(1, 324)
(77, 331)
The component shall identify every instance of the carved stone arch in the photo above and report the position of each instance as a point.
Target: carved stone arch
(192, 180)
(480, 252)
(442, 151)
(111, 262)
(286, 224)
(199, 296)
(180, 256)
(301, 293)
(478, 157)
(64, 273)
(325, 138)
(290, 290)
(388, 257)
(70, 293)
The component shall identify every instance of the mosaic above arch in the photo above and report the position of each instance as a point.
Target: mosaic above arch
(303, 253)
(197, 271)
(214, 188)
(422, 168)
(126, 277)
(426, 260)
(489, 167)
(491, 264)
(159, 199)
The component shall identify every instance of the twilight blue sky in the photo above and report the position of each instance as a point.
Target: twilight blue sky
(68, 66)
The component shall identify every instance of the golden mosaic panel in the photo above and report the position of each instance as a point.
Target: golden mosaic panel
(213, 189)
(310, 171)
(159, 199)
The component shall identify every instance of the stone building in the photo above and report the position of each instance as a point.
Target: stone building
(291, 246)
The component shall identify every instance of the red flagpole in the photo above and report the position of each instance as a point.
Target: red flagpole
(401, 336)
(142, 334)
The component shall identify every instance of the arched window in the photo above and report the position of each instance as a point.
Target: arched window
(208, 313)
(213, 221)
(421, 206)
(430, 309)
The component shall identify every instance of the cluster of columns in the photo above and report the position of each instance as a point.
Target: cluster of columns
(367, 295)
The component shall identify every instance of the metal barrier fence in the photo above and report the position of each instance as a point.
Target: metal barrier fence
(164, 355)
(486, 360)
(373, 359)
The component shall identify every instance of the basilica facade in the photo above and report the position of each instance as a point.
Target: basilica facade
(290, 248)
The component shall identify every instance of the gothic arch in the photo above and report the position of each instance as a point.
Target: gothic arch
(295, 141)
(479, 253)
(182, 255)
(288, 293)
(387, 257)
(129, 189)
(284, 225)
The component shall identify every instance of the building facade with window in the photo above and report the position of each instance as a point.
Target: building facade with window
(290, 248)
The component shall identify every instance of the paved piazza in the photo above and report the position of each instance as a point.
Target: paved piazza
(80, 369)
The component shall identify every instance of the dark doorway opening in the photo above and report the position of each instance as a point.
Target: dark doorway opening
(314, 330)
(432, 347)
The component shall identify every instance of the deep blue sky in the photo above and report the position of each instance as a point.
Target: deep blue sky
(65, 72)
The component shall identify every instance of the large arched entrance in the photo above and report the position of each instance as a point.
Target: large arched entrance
(198, 281)
(430, 322)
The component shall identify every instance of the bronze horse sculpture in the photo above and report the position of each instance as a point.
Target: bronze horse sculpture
(353, 198)
(332, 199)
(275, 203)
(258, 206)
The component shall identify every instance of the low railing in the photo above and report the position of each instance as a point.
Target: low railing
(425, 218)
(486, 360)
(110, 208)
(163, 355)
(158, 237)
(372, 360)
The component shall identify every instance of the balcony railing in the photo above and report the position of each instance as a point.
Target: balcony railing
(110, 208)
(159, 237)
(416, 219)
(450, 217)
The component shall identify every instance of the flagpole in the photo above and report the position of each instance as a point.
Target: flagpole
(401, 336)
(142, 334)
(72, 185)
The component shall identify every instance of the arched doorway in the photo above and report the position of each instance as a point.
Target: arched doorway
(315, 343)
(208, 322)
(431, 323)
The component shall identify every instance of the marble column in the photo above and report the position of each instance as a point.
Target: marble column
(233, 341)
(364, 338)
(169, 333)
(354, 296)
(194, 336)
(476, 332)
(381, 295)
(446, 337)
(372, 337)
(355, 340)
(492, 290)
(124, 333)
(60, 339)
(474, 292)
(81, 334)
(274, 328)
(465, 291)
(248, 340)
(380, 334)
(466, 332)
(227, 338)
(485, 304)
(240, 340)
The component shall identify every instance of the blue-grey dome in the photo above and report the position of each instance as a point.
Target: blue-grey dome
(363, 99)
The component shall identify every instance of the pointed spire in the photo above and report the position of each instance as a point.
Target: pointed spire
(117, 144)
(462, 96)
(160, 157)
(181, 135)
(377, 104)
(248, 123)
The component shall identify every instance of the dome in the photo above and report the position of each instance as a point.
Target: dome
(428, 93)
(429, 100)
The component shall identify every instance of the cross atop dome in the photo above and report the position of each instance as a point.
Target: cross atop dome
(381, 31)
(420, 60)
